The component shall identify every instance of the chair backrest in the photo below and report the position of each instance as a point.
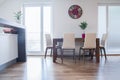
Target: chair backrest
(104, 37)
(90, 40)
(69, 41)
(48, 40)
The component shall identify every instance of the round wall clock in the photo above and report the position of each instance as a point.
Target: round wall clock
(75, 11)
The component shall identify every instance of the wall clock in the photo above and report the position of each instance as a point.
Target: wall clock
(75, 11)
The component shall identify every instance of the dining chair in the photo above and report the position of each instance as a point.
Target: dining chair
(68, 44)
(49, 44)
(102, 45)
(89, 45)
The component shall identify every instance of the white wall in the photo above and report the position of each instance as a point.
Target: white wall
(9, 7)
(108, 1)
(61, 21)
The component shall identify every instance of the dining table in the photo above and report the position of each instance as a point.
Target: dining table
(57, 40)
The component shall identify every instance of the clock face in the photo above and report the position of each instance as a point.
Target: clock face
(75, 11)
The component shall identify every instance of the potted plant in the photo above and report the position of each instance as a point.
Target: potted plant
(83, 26)
(18, 16)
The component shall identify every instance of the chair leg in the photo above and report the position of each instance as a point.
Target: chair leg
(104, 53)
(74, 56)
(84, 55)
(89, 52)
(51, 51)
(46, 52)
(62, 55)
(79, 53)
(101, 52)
(92, 53)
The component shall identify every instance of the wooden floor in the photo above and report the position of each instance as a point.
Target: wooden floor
(38, 68)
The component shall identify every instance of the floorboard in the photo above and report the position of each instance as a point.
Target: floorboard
(39, 68)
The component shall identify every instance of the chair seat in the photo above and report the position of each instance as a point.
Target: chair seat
(72, 46)
(101, 46)
(68, 47)
(87, 48)
(50, 46)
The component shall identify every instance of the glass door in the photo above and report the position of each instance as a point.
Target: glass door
(113, 30)
(109, 22)
(37, 22)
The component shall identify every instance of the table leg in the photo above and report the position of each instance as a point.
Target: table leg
(54, 50)
(97, 51)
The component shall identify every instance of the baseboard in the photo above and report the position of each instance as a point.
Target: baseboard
(76, 55)
(113, 54)
(2, 67)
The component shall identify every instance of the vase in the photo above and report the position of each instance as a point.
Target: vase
(18, 21)
(83, 35)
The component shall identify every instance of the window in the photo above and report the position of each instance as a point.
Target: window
(38, 22)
